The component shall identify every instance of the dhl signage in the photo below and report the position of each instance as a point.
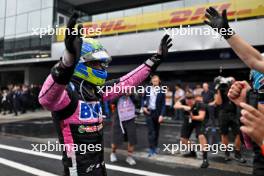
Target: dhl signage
(237, 9)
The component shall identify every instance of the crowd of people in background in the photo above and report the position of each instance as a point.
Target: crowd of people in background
(200, 107)
(19, 98)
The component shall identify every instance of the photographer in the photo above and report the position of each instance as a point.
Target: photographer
(194, 118)
(227, 116)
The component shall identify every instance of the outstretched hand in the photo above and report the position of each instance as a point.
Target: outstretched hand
(73, 40)
(218, 22)
(165, 45)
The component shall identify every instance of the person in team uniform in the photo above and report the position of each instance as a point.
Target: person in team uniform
(124, 127)
(71, 93)
(194, 118)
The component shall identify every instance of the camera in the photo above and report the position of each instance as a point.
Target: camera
(223, 82)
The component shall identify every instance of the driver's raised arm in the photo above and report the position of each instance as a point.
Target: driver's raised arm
(138, 75)
(53, 95)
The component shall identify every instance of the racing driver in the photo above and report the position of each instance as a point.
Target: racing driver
(71, 93)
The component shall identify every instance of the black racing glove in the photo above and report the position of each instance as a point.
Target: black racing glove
(73, 40)
(63, 70)
(155, 60)
(219, 22)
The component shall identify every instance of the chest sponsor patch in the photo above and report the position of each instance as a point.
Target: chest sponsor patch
(90, 110)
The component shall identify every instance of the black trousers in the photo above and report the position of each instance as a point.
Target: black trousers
(153, 128)
(258, 161)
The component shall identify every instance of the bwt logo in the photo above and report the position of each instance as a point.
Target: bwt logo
(90, 110)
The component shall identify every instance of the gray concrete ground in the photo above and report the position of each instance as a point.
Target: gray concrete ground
(37, 127)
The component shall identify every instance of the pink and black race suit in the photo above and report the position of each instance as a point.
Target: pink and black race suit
(79, 122)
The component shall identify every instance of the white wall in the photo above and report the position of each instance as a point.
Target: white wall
(147, 42)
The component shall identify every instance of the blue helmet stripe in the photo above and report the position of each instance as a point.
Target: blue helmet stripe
(81, 68)
(86, 48)
(100, 73)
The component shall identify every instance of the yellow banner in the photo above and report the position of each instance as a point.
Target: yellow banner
(237, 9)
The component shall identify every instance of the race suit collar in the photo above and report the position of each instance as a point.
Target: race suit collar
(86, 91)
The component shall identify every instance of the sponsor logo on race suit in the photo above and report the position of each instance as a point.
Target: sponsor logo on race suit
(90, 111)
(89, 129)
